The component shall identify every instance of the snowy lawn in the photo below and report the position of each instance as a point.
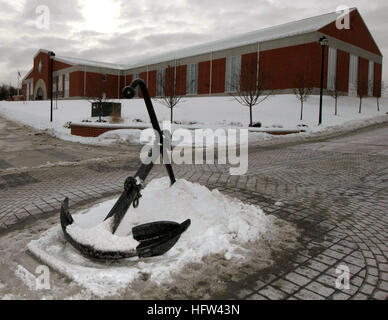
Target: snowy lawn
(282, 111)
(222, 226)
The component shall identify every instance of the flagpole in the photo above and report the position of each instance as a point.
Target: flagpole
(19, 75)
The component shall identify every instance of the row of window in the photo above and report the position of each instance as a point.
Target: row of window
(232, 77)
(233, 71)
(63, 88)
(353, 73)
(29, 91)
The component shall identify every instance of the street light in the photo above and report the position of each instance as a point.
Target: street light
(52, 56)
(324, 42)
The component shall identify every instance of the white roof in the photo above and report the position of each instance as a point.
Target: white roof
(91, 63)
(277, 32)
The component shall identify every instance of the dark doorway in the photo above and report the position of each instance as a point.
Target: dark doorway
(39, 94)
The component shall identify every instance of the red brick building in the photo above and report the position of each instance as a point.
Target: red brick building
(283, 53)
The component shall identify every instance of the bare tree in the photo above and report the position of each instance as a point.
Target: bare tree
(362, 90)
(7, 92)
(381, 90)
(335, 93)
(250, 87)
(167, 83)
(302, 91)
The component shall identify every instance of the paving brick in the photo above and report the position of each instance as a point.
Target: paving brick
(305, 294)
(341, 296)
(334, 254)
(320, 289)
(355, 261)
(244, 293)
(257, 297)
(327, 280)
(297, 279)
(380, 295)
(319, 266)
(367, 289)
(258, 285)
(360, 296)
(383, 285)
(307, 272)
(272, 293)
(326, 259)
(341, 249)
(286, 286)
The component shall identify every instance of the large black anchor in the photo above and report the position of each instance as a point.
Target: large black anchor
(155, 238)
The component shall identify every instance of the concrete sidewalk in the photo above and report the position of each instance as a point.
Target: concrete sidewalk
(335, 191)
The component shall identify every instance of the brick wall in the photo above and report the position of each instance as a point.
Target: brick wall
(283, 66)
(377, 80)
(343, 61)
(358, 34)
(83, 131)
(204, 77)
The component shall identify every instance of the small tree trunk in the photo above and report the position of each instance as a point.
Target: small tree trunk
(251, 116)
(301, 110)
(336, 106)
(172, 114)
(360, 109)
(100, 111)
(378, 104)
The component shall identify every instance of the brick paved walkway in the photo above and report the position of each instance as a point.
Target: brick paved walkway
(334, 191)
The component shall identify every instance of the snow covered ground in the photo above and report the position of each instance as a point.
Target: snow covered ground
(282, 111)
(220, 226)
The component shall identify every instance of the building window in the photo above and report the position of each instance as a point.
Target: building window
(353, 76)
(160, 81)
(233, 71)
(332, 69)
(67, 85)
(371, 75)
(55, 85)
(31, 93)
(60, 86)
(136, 76)
(192, 79)
(40, 66)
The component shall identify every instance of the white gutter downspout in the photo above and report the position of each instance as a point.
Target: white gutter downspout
(211, 73)
(147, 76)
(84, 81)
(258, 65)
(118, 85)
(175, 81)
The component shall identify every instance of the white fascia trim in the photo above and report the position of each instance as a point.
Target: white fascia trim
(41, 51)
(28, 73)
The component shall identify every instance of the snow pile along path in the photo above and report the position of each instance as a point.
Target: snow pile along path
(220, 225)
(279, 112)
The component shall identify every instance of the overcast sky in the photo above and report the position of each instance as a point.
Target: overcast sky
(117, 30)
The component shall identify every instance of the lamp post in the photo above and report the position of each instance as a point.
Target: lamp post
(324, 42)
(52, 56)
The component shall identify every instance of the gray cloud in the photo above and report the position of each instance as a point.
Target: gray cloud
(152, 27)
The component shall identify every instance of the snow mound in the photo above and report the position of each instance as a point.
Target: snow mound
(101, 238)
(220, 225)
